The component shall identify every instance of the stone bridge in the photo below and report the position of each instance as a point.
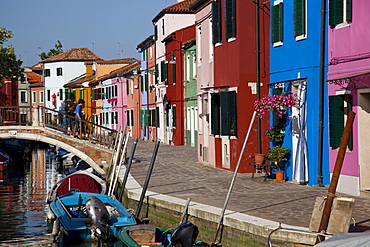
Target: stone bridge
(93, 146)
(97, 156)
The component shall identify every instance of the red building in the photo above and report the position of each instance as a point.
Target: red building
(175, 91)
(235, 76)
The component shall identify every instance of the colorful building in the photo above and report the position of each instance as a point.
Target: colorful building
(298, 66)
(177, 56)
(349, 90)
(170, 19)
(235, 75)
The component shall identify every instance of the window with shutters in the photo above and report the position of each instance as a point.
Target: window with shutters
(174, 116)
(340, 13)
(277, 23)
(223, 113)
(339, 106)
(230, 22)
(216, 22)
(34, 97)
(300, 16)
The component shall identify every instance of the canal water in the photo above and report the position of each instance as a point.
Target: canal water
(23, 190)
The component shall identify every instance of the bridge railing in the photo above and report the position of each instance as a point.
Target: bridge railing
(67, 124)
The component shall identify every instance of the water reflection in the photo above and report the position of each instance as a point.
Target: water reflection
(22, 199)
(23, 207)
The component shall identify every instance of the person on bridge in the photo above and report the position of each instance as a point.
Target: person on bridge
(79, 114)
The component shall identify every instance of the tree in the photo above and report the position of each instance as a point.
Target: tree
(53, 52)
(9, 65)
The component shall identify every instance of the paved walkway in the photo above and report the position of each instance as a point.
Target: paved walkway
(177, 173)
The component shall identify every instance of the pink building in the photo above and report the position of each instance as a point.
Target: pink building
(349, 90)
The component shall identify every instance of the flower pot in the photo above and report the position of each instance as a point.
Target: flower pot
(259, 158)
(279, 177)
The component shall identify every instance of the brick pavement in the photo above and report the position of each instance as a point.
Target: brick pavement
(177, 173)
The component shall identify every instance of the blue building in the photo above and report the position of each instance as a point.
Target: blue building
(297, 67)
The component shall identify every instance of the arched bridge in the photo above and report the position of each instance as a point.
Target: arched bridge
(91, 142)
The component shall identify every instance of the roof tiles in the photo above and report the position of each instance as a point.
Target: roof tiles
(74, 54)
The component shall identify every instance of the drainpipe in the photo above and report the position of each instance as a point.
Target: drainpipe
(259, 144)
(322, 69)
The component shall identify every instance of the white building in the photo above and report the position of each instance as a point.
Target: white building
(62, 68)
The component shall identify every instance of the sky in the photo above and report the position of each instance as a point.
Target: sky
(110, 28)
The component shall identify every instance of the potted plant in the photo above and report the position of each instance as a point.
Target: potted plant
(276, 155)
(275, 102)
(274, 134)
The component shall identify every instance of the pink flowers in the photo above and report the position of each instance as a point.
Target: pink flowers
(275, 102)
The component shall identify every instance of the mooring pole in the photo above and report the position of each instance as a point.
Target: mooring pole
(146, 183)
(128, 167)
(336, 173)
(233, 179)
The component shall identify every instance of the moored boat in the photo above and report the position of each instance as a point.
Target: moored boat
(83, 181)
(185, 235)
(88, 216)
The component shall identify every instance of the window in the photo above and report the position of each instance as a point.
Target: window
(34, 97)
(164, 72)
(81, 94)
(47, 72)
(23, 96)
(61, 94)
(216, 22)
(340, 12)
(173, 70)
(41, 97)
(59, 72)
(48, 95)
(277, 23)
(162, 26)
(299, 18)
(230, 22)
(223, 110)
(339, 106)
(155, 32)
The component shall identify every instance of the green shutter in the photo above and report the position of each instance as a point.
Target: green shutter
(299, 17)
(173, 73)
(216, 21)
(156, 73)
(215, 112)
(336, 120)
(93, 94)
(66, 94)
(141, 83)
(335, 12)
(146, 82)
(230, 18)
(277, 23)
(228, 113)
(349, 11)
(157, 117)
(174, 116)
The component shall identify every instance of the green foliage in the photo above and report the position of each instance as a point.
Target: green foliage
(53, 52)
(274, 134)
(278, 154)
(9, 65)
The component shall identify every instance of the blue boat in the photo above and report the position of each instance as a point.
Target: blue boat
(88, 216)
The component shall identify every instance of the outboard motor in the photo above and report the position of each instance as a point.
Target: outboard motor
(184, 235)
(99, 214)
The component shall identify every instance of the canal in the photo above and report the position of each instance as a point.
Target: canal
(23, 190)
